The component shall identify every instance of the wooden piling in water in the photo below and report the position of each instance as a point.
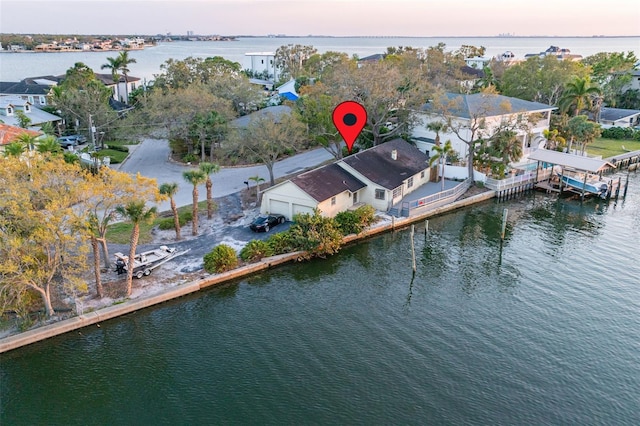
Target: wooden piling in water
(505, 212)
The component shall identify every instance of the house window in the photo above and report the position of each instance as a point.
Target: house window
(380, 194)
(30, 99)
(333, 201)
(410, 182)
(422, 174)
(355, 197)
(397, 192)
(43, 100)
(9, 111)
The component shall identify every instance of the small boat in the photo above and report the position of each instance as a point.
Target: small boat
(145, 262)
(593, 184)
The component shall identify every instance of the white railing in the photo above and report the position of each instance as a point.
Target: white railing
(434, 199)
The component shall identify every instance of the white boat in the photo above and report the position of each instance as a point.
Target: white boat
(593, 184)
(145, 262)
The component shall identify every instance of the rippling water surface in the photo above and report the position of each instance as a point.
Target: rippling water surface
(541, 329)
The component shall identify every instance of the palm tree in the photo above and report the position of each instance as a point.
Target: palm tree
(208, 169)
(195, 178)
(578, 95)
(114, 65)
(49, 144)
(170, 190)
(257, 180)
(125, 60)
(441, 155)
(137, 212)
(437, 126)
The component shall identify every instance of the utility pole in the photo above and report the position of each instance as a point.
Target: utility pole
(92, 129)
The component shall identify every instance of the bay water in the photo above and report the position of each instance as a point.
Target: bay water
(16, 66)
(541, 328)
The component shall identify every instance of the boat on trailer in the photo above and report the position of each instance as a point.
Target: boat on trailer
(145, 262)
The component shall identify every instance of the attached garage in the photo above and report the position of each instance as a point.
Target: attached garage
(286, 199)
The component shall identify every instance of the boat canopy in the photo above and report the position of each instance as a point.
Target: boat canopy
(576, 162)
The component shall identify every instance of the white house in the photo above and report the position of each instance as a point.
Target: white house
(487, 113)
(380, 176)
(263, 63)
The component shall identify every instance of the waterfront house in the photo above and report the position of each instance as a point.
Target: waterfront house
(486, 112)
(263, 64)
(380, 176)
(34, 89)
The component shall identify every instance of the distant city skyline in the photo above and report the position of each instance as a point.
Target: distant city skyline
(400, 18)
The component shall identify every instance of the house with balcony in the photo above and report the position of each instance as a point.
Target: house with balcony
(9, 106)
(484, 113)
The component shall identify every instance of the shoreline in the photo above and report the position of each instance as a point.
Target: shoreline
(44, 332)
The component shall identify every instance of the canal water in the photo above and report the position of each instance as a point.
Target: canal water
(543, 328)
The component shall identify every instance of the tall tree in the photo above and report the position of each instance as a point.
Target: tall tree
(291, 59)
(137, 212)
(581, 129)
(208, 169)
(540, 79)
(170, 189)
(41, 249)
(267, 138)
(578, 96)
(314, 108)
(195, 178)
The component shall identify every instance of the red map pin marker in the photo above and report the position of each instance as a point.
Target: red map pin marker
(349, 117)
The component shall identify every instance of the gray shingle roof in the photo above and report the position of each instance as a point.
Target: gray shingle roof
(615, 114)
(486, 105)
(377, 164)
(326, 182)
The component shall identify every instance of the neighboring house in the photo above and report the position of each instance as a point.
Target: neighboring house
(478, 62)
(35, 89)
(288, 91)
(9, 105)
(493, 111)
(634, 84)
(558, 52)
(262, 63)
(10, 133)
(120, 89)
(617, 117)
(380, 176)
(370, 59)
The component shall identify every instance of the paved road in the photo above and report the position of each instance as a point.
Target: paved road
(151, 159)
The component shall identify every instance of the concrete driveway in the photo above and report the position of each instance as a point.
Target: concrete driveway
(150, 158)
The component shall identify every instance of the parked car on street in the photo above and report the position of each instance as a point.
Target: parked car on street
(266, 222)
(71, 140)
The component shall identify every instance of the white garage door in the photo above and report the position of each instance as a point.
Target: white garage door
(279, 207)
(299, 208)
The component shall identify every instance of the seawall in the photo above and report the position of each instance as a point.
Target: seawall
(42, 333)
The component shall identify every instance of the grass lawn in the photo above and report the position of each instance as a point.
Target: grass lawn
(120, 233)
(610, 147)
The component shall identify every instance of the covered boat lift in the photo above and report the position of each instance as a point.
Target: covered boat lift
(568, 162)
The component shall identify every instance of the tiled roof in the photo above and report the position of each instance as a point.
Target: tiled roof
(9, 133)
(326, 182)
(378, 165)
(486, 105)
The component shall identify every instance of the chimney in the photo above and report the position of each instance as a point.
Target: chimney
(394, 154)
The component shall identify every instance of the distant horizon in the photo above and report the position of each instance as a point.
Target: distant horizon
(315, 35)
(335, 18)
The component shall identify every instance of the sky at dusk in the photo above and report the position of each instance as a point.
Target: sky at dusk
(412, 18)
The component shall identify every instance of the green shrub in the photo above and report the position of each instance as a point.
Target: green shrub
(255, 250)
(190, 158)
(355, 221)
(222, 258)
(280, 243)
(167, 222)
(317, 235)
